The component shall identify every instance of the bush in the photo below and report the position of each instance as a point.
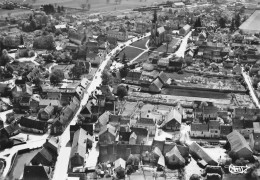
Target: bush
(56, 76)
(44, 42)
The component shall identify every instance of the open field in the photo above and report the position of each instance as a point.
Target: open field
(140, 43)
(96, 5)
(14, 12)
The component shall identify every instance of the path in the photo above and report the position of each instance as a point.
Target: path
(147, 49)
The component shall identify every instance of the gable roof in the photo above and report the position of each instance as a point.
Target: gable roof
(120, 163)
(199, 127)
(158, 83)
(173, 115)
(104, 118)
(79, 143)
(49, 109)
(237, 141)
(200, 152)
(176, 153)
(43, 156)
(108, 128)
(12, 128)
(46, 102)
(35, 172)
(163, 77)
(33, 123)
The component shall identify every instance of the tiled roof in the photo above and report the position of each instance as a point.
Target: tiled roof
(237, 141)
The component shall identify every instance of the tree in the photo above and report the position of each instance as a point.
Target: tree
(168, 41)
(83, 6)
(56, 76)
(237, 20)
(222, 22)
(123, 72)
(21, 39)
(197, 23)
(108, 1)
(121, 91)
(106, 78)
(59, 9)
(124, 59)
(89, 6)
(5, 58)
(232, 26)
(37, 82)
(120, 173)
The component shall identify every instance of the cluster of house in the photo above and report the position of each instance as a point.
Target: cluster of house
(41, 165)
(150, 81)
(221, 123)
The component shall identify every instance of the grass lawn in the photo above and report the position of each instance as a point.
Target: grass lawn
(142, 58)
(141, 43)
(130, 53)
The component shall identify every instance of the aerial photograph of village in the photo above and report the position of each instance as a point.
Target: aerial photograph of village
(130, 89)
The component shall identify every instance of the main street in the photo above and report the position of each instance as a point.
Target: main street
(60, 172)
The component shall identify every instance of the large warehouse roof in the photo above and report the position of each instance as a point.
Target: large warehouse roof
(252, 24)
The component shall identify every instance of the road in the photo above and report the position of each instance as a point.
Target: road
(250, 86)
(60, 172)
(180, 52)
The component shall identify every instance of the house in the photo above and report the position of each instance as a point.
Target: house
(49, 102)
(198, 153)
(44, 157)
(225, 129)
(164, 78)
(156, 86)
(36, 172)
(124, 137)
(77, 37)
(46, 113)
(254, 137)
(132, 138)
(120, 164)
(146, 121)
(78, 149)
(51, 145)
(31, 124)
(239, 145)
(139, 135)
(141, 27)
(107, 135)
(172, 121)
(34, 105)
(209, 112)
(120, 35)
(25, 102)
(185, 30)
(214, 128)
(174, 157)
(133, 77)
(102, 121)
(11, 130)
(199, 130)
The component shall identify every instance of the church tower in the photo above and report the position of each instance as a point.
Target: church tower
(154, 32)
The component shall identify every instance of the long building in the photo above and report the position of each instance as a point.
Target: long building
(252, 24)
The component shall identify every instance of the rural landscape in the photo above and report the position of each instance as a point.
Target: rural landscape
(129, 90)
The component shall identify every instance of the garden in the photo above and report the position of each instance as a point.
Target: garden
(130, 53)
(140, 43)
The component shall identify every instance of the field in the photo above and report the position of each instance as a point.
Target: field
(14, 12)
(96, 5)
(130, 53)
(141, 43)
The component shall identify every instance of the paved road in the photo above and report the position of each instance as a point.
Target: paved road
(251, 89)
(60, 172)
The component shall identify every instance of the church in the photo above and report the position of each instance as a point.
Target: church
(158, 35)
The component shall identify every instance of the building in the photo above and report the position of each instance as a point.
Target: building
(185, 30)
(254, 138)
(198, 153)
(174, 157)
(31, 124)
(37, 172)
(107, 135)
(158, 35)
(239, 145)
(78, 149)
(44, 157)
(251, 25)
(46, 113)
(120, 35)
(172, 120)
(199, 130)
